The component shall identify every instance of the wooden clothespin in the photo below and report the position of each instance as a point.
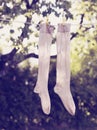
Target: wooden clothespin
(63, 17)
(47, 20)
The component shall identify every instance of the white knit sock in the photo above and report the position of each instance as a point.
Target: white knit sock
(62, 87)
(41, 87)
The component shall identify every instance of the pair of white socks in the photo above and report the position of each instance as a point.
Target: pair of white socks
(62, 87)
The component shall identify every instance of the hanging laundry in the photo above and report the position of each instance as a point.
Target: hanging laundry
(62, 87)
(45, 39)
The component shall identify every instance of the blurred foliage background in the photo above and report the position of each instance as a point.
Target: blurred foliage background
(20, 108)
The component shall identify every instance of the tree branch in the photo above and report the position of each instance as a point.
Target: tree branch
(81, 21)
(10, 60)
(73, 35)
(8, 56)
(30, 4)
(33, 55)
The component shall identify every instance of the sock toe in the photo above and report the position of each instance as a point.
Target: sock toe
(45, 102)
(66, 99)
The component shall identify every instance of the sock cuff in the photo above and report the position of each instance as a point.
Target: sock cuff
(64, 27)
(46, 28)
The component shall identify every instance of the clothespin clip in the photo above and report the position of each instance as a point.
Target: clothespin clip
(63, 17)
(47, 20)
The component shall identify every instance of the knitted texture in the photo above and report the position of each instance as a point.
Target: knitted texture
(62, 87)
(45, 39)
